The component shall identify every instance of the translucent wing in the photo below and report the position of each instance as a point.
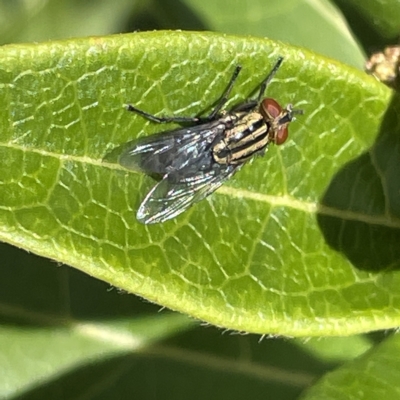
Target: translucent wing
(176, 192)
(173, 150)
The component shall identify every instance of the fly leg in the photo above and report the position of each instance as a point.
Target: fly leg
(250, 104)
(211, 117)
(225, 96)
(269, 78)
(223, 99)
(161, 120)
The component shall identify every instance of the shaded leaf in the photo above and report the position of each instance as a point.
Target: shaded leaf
(316, 25)
(371, 376)
(38, 20)
(383, 15)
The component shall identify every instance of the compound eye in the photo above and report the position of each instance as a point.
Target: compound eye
(281, 134)
(271, 107)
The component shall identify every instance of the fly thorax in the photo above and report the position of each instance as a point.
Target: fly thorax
(247, 137)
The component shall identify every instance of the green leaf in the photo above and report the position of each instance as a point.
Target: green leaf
(382, 15)
(294, 22)
(302, 242)
(314, 24)
(338, 349)
(371, 376)
(74, 347)
(56, 19)
(65, 334)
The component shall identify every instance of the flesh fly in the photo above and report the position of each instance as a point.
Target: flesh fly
(192, 162)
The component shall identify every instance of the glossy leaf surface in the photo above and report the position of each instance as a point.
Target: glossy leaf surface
(301, 242)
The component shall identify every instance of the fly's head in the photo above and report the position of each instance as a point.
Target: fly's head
(278, 119)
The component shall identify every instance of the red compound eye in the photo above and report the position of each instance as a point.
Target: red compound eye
(271, 110)
(271, 107)
(281, 134)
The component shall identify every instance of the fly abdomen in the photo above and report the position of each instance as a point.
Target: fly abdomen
(243, 141)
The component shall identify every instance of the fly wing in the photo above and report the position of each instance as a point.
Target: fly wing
(171, 151)
(175, 193)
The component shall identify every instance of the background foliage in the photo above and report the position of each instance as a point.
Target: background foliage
(65, 333)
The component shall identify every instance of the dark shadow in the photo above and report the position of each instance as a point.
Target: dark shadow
(378, 337)
(359, 214)
(278, 352)
(163, 14)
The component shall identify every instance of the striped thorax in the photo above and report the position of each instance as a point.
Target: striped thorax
(251, 132)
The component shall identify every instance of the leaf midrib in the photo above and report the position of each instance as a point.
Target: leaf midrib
(274, 201)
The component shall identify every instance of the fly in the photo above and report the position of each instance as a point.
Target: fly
(193, 162)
